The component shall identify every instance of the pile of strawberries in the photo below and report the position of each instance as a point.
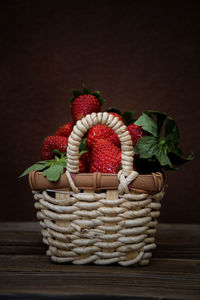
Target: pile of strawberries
(102, 149)
(155, 139)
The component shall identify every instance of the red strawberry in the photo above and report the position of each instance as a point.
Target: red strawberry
(115, 140)
(105, 157)
(84, 162)
(85, 102)
(82, 166)
(136, 133)
(51, 143)
(83, 105)
(101, 132)
(85, 157)
(116, 115)
(65, 129)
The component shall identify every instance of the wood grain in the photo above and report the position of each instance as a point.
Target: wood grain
(41, 263)
(174, 271)
(101, 283)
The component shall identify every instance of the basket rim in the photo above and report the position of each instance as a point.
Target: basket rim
(145, 183)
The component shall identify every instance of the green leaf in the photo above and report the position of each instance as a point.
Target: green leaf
(149, 146)
(147, 124)
(83, 145)
(51, 168)
(162, 157)
(129, 117)
(178, 151)
(44, 162)
(171, 133)
(190, 156)
(58, 153)
(53, 173)
(36, 167)
(61, 162)
(163, 149)
(114, 110)
(146, 146)
(161, 116)
(178, 160)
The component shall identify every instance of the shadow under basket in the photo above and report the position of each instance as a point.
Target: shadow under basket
(94, 217)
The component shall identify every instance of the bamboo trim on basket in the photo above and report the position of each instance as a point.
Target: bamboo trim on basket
(150, 183)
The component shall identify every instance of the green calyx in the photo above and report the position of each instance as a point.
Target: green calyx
(86, 91)
(114, 110)
(154, 146)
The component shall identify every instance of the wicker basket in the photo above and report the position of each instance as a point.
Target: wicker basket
(84, 220)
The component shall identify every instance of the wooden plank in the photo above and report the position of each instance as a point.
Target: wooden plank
(71, 297)
(42, 263)
(20, 238)
(20, 226)
(169, 250)
(179, 233)
(34, 274)
(178, 241)
(21, 243)
(100, 284)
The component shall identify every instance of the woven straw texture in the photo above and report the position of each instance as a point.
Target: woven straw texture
(114, 226)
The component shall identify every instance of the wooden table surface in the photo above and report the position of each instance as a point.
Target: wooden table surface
(27, 273)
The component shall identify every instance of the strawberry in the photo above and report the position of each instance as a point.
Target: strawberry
(51, 143)
(83, 105)
(85, 102)
(101, 132)
(115, 140)
(82, 166)
(116, 115)
(65, 129)
(84, 162)
(136, 132)
(105, 157)
(86, 156)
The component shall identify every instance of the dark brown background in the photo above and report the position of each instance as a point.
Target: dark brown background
(141, 55)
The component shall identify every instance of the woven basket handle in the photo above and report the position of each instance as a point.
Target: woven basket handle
(83, 125)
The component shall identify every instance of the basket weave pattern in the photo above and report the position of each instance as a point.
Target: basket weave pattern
(115, 226)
